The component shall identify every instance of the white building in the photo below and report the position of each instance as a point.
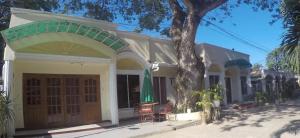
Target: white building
(65, 71)
(272, 82)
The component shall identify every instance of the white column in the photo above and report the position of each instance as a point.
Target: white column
(113, 93)
(8, 76)
(238, 78)
(222, 82)
(249, 85)
(7, 87)
(206, 79)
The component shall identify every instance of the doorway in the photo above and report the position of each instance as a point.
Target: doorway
(228, 90)
(55, 100)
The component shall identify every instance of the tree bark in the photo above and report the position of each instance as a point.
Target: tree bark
(190, 71)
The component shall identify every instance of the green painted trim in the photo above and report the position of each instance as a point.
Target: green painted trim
(241, 63)
(35, 28)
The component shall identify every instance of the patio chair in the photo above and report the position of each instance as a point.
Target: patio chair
(164, 111)
(146, 112)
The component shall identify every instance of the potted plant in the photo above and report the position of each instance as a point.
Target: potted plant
(260, 98)
(6, 115)
(217, 95)
(206, 104)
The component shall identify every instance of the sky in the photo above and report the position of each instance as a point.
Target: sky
(250, 25)
(244, 23)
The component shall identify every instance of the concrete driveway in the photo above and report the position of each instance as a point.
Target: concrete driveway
(261, 122)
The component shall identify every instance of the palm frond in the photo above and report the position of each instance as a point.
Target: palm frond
(290, 45)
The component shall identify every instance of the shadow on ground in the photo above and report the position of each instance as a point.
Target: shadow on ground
(293, 128)
(255, 117)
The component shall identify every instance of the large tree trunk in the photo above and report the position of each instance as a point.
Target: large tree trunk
(190, 72)
(191, 69)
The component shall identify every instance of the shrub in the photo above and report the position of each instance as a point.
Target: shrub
(205, 103)
(260, 98)
(6, 114)
(217, 92)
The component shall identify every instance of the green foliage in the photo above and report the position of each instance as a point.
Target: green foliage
(217, 92)
(290, 10)
(257, 66)
(277, 61)
(260, 98)
(205, 99)
(289, 88)
(205, 102)
(6, 114)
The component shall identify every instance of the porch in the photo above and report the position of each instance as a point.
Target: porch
(235, 81)
(61, 73)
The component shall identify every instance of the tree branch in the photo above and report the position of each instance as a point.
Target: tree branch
(189, 5)
(178, 18)
(210, 6)
(175, 6)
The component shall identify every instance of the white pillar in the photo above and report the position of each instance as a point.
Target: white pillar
(206, 79)
(249, 85)
(239, 84)
(113, 93)
(222, 82)
(8, 76)
(7, 87)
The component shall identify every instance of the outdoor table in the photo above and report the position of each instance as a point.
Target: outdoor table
(147, 111)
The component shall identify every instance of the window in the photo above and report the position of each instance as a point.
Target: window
(33, 91)
(72, 95)
(159, 88)
(244, 85)
(172, 81)
(128, 87)
(54, 96)
(213, 80)
(90, 90)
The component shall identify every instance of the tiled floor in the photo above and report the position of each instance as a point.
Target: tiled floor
(63, 130)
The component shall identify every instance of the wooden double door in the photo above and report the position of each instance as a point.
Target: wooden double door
(60, 100)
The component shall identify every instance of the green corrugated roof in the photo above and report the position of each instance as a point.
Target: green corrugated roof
(50, 26)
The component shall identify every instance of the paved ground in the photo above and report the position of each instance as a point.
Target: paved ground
(263, 122)
(125, 130)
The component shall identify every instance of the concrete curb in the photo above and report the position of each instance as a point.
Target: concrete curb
(174, 128)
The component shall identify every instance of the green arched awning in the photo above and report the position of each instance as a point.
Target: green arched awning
(52, 26)
(241, 63)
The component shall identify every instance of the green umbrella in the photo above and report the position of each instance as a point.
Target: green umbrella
(147, 91)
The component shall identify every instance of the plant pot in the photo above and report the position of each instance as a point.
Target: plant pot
(216, 103)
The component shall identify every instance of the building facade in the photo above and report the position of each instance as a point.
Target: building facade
(273, 83)
(65, 71)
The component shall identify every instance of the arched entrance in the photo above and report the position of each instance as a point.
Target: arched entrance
(63, 73)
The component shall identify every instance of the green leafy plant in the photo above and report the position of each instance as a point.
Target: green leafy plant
(260, 98)
(217, 92)
(6, 115)
(205, 103)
